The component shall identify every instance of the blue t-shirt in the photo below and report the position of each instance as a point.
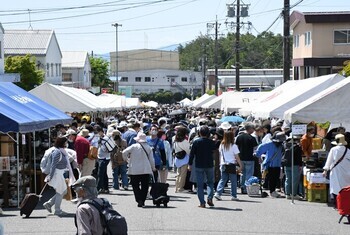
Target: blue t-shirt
(156, 145)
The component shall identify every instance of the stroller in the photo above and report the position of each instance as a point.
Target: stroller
(343, 203)
(159, 194)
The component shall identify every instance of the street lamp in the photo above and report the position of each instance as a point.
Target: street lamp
(116, 84)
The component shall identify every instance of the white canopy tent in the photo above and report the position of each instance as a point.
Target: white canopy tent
(214, 103)
(233, 100)
(132, 103)
(276, 104)
(328, 105)
(185, 102)
(202, 100)
(151, 104)
(113, 101)
(62, 99)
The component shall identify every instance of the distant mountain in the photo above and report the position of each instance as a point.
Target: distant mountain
(169, 48)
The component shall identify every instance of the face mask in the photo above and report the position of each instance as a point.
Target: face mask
(70, 141)
(311, 135)
(153, 132)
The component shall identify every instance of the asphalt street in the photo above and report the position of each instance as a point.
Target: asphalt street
(250, 215)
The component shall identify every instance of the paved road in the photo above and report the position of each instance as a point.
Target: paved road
(247, 216)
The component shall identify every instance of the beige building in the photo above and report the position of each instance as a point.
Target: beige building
(144, 59)
(321, 42)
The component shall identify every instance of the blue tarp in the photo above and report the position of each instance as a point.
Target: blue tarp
(23, 112)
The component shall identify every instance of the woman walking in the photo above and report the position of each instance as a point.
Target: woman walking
(180, 143)
(141, 165)
(59, 166)
(229, 158)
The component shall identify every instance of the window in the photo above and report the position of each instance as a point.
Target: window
(296, 40)
(67, 77)
(138, 79)
(56, 70)
(0, 51)
(341, 36)
(147, 79)
(152, 79)
(59, 70)
(47, 70)
(124, 79)
(307, 36)
(51, 69)
(184, 79)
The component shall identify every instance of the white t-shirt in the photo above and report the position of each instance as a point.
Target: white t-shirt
(229, 154)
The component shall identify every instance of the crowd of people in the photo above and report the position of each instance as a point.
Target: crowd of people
(204, 152)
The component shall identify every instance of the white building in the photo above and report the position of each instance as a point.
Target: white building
(76, 69)
(149, 81)
(42, 44)
(2, 71)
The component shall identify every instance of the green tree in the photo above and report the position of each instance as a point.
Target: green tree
(99, 72)
(25, 66)
(346, 70)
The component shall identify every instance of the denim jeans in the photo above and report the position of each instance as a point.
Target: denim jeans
(248, 171)
(223, 181)
(120, 169)
(288, 183)
(200, 173)
(102, 180)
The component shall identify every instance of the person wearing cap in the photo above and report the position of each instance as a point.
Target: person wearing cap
(246, 144)
(141, 165)
(272, 162)
(103, 160)
(119, 166)
(130, 133)
(88, 219)
(339, 174)
(71, 135)
(59, 166)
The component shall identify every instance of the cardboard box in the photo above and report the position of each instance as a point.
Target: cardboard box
(317, 195)
(316, 143)
(7, 149)
(317, 186)
(317, 178)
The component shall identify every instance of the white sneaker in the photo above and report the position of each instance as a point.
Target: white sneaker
(234, 199)
(217, 197)
(275, 194)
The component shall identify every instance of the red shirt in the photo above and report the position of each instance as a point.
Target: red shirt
(81, 146)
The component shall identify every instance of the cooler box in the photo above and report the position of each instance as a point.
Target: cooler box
(317, 193)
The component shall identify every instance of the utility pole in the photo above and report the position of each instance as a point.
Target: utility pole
(216, 79)
(240, 11)
(204, 63)
(286, 41)
(238, 26)
(116, 84)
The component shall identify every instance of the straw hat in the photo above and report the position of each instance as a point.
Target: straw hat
(339, 140)
(140, 138)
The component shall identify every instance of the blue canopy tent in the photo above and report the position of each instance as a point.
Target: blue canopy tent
(22, 112)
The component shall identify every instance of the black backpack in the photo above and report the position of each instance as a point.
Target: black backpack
(113, 223)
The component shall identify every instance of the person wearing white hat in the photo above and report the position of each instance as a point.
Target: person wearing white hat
(338, 163)
(141, 164)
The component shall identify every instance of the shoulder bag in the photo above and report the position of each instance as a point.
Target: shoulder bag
(229, 168)
(340, 159)
(179, 155)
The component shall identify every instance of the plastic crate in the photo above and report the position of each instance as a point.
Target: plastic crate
(253, 190)
(317, 195)
(317, 186)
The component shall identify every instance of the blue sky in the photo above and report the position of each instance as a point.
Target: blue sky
(86, 25)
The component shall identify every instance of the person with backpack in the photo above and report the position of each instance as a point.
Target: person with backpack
(95, 215)
(58, 166)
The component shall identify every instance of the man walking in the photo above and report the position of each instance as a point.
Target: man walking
(246, 144)
(202, 153)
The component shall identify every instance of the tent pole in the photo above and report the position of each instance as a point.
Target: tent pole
(17, 143)
(49, 137)
(293, 189)
(34, 159)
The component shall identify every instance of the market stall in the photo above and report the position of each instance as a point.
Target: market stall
(21, 113)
